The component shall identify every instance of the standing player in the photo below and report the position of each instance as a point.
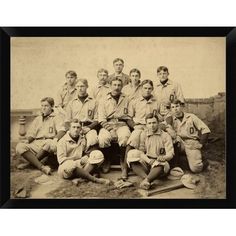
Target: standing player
(118, 65)
(67, 93)
(166, 90)
(102, 88)
(133, 89)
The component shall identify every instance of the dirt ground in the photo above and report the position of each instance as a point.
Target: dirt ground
(30, 183)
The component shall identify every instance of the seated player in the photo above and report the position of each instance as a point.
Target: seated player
(150, 158)
(42, 137)
(75, 159)
(113, 116)
(84, 108)
(133, 89)
(192, 134)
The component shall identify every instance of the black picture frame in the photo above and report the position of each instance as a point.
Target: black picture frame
(5, 36)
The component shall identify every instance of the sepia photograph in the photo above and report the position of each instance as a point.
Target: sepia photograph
(118, 117)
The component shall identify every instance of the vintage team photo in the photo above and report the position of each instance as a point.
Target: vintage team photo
(118, 117)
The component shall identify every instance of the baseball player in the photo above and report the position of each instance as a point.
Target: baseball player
(84, 108)
(67, 93)
(75, 158)
(149, 159)
(166, 90)
(133, 89)
(188, 127)
(118, 65)
(113, 116)
(102, 88)
(42, 137)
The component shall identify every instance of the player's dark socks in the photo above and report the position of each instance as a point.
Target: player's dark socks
(89, 167)
(31, 158)
(138, 170)
(80, 172)
(154, 173)
(41, 154)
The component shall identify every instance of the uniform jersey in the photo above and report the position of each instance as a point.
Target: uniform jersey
(168, 92)
(69, 149)
(156, 144)
(65, 95)
(139, 108)
(100, 91)
(125, 78)
(131, 92)
(47, 127)
(190, 127)
(109, 109)
(83, 111)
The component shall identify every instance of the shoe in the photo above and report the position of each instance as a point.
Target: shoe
(23, 166)
(103, 181)
(145, 184)
(106, 166)
(46, 170)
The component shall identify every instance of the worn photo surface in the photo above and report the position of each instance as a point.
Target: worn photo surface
(118, 117)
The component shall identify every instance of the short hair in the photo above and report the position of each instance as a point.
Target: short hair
(147, 81)
(102, 70)
(164, 68)
(166, 104)
(116, 78)
(135, 70)
(118, 59)
(150, 116)
(176, 101)
(75, 121)
(83, 81)
(71, 73)
(49, 100)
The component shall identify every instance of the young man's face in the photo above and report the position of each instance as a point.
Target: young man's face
(46, 108)
(116, 87)
(162, 75)
(152, 124)
(81, 88)
(147, 90)
(70, 79)
(102, 76)
(176, 110)
(118, 66)
(134, 76)
(74, 130)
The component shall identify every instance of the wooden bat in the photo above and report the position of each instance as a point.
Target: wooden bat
(165, 189)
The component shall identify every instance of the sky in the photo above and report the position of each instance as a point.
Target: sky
(39, 64)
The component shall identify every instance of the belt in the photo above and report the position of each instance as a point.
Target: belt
(43, 138)
(184, 139)
(86, 123)
(116, 120)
